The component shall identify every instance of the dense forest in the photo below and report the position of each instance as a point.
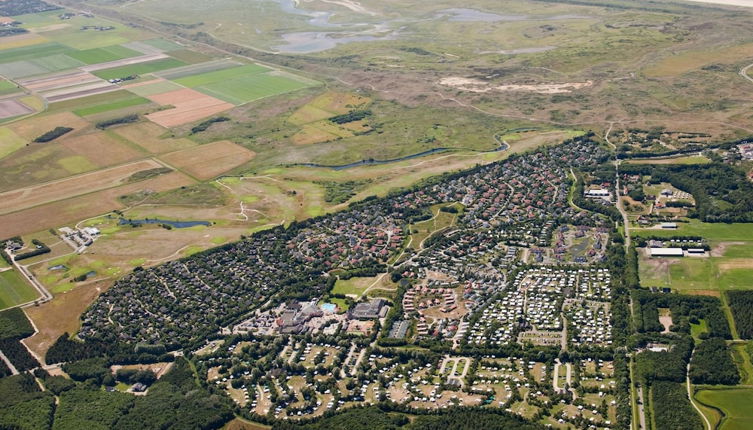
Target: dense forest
(722, 192)
(741, 304)
(14, 326)
(373, 418)
(712, 364)
(672, 408)
(684, 309)
(23, 405)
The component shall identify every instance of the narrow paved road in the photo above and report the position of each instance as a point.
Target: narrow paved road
(617, 189)
(690, 397)
(10, 365)
(641, 412)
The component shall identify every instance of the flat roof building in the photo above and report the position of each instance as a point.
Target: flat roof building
(666, 252)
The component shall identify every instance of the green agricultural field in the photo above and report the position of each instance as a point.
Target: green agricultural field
(38, 66)
(155, 88)
(139, 69)
(103, 55)
(247, 88)
(198, 80)
(33, 51)
(7, 87)
(106, 107)
(734, 405)
(9, 142)
(14, 290)
(162, 44)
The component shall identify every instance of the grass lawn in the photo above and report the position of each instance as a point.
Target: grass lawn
(353, 286)
(139, 69)
(692, 159)
(14, 290)
(426, 228)
(697, 329)
(342, 304)
(733, 403)
(103, 55)
(741, 355)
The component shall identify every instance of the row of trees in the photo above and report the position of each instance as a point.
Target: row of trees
(741, 304)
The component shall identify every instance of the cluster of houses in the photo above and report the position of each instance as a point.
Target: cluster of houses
(79, 238)
(539, 300)
(516, 203)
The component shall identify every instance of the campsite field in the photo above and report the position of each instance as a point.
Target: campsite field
(14, 290)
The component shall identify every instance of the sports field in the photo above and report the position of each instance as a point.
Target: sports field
(732, 405)
(14, 290)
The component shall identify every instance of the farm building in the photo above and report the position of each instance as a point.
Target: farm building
(666, 252)
(669, 225)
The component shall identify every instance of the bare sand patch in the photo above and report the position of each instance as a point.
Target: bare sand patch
(736, 263)
(710, 293)
(741, 3)
(479, 86)
(61, 315)
(721, 248)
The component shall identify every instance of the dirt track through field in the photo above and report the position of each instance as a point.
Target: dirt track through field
(23, 198)
(66, 212)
